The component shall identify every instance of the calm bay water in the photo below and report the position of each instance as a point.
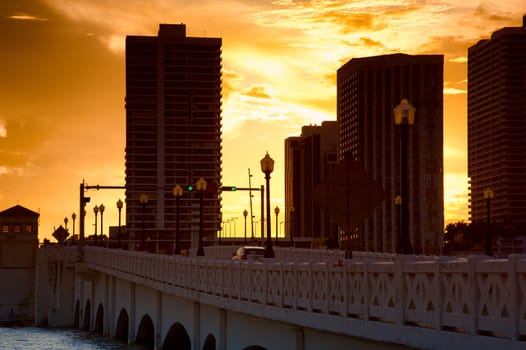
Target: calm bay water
(31, 338)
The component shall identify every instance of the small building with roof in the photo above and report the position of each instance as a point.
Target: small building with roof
(18, 248)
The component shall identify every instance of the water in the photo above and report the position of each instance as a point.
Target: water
(31, 338)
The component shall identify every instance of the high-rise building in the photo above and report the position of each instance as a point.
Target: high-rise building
(367, 91)
(497, 128)
(173, 133)
(308, 159)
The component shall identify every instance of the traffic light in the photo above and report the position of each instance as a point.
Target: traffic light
(190, 188)
(229, 188)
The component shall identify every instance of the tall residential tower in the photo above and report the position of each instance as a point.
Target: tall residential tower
(497, 128)
(367, 91)
(308, 159)
(173, 132)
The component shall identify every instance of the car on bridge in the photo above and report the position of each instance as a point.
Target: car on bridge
(249, 253)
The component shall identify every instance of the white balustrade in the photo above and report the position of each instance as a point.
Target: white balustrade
(471, 296)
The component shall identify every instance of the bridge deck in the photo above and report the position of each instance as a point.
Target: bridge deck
(417, 302)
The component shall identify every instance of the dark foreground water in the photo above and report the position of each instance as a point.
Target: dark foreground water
(24, 338)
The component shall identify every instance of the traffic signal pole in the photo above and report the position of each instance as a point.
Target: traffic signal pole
(262, 190)
(82, 210)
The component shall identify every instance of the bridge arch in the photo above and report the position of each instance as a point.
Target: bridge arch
(177, 338)
(99, 320)
(146, 333)
(123, 321)
(87, 316)
(210, 343)
(76, 319)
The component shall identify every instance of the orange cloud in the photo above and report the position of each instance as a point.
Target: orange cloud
(257, 92)
(26, 17)
(3, 130)
(371, 43)
(462, 59)
(487, 15)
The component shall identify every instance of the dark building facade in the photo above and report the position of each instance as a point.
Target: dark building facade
(173, 133)
(367, 91)
(497, 128)
(308, 159)
(18, 249)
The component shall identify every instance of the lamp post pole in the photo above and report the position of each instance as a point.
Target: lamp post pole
(398, 204)
(291, 226)
(119, 234)
(96, 211)
(267, 166)
(404, 116)
(177, 192)
(144, 200)
(101, 209)
(245, 213)
(201, 187)
(488, 196)
(73, 217)
(276, 211)
(406, 244)
(221, 231)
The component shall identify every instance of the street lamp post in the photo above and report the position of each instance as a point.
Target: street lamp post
(144, 200)
(245, 213)
(398, 204)
(177, 192)
(267, 166)
(276, 211)
(201, 187)
(65, 227)
(291, 226)
(404, 117)
(119, 234)
(73, 217)
(488, 196)
(96, 211)
(101, 209)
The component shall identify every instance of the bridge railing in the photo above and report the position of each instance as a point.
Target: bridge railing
(471, 296)
(304, 254)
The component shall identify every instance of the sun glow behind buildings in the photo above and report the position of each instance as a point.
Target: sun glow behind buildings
(63, 88)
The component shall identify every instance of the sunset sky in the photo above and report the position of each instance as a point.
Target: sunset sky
(62, 86)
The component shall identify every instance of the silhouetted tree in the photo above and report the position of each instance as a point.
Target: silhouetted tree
(455, 231)
(463, 236)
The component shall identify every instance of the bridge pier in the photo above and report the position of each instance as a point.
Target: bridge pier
(197, 326)
(160, 316)
(54, 280)
(131, 324)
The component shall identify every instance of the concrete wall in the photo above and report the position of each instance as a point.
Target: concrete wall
(17, 295)
(54, 290)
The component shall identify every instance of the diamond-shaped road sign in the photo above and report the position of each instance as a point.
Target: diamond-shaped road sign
(348, 194)
(60, 234)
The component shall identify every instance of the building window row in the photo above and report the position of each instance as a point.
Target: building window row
(17, 228)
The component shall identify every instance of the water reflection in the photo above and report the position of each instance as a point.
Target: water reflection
(32, 338)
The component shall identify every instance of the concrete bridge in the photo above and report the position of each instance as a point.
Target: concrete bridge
(302, 299)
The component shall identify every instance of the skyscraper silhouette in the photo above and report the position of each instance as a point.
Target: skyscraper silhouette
(497, 128)
(367, 91)
(173, 132)
(308, 159)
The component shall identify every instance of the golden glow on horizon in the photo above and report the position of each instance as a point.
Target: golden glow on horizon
(62, 89)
